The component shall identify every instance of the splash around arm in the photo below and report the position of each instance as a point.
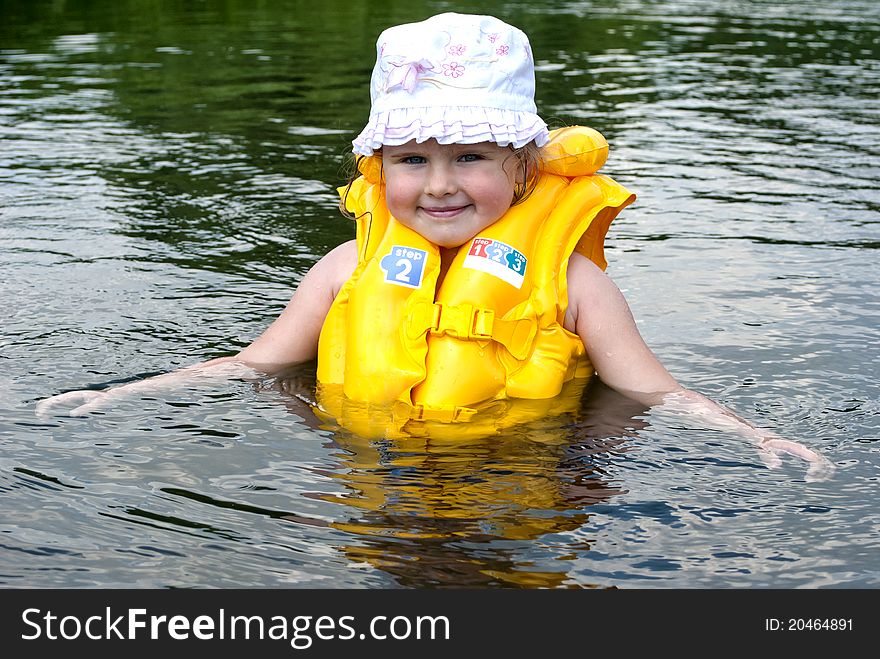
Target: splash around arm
(291, 339)
(600, 315)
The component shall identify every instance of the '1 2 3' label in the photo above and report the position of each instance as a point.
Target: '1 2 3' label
(498, 259)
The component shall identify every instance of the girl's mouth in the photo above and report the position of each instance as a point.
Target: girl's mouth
(443, 212)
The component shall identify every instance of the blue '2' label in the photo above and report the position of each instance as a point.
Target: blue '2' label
(404, 266)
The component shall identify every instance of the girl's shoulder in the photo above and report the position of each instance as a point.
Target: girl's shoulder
(586, 277)
(591, 292)
(334, 268)
(344, 255)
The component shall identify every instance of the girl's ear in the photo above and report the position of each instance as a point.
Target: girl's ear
(519, 163)
(528, 170)
(522, 169)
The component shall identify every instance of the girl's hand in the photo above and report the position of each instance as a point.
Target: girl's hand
(85, 401)
(773, 447)
(88, 400)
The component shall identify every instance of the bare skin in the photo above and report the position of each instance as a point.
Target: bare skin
(460, 182)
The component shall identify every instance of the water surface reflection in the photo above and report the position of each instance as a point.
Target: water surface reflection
(167, 175)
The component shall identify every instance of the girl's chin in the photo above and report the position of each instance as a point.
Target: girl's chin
(449, 236)
(451, 243)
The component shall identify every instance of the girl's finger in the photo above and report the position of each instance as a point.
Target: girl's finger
(769, 457)
(94, 404)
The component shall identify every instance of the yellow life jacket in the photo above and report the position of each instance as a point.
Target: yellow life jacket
(396, 350)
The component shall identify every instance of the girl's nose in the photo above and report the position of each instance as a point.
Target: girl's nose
(440, 181)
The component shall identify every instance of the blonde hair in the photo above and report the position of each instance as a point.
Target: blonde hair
(529, 159)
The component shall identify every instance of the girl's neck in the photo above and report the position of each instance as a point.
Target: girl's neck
(447, 254)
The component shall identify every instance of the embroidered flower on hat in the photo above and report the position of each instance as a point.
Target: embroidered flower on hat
(453, 69)
(406, 74)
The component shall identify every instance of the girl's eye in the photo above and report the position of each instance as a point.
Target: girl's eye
(413, 160)
(470, 157)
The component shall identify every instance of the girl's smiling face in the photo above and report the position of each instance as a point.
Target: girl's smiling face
(448, 193)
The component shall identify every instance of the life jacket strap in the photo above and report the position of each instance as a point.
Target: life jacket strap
(422, 412)
(469, 322)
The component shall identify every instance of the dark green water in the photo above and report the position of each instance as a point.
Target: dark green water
(167, 175)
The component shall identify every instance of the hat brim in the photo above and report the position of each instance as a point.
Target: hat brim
(470, 125)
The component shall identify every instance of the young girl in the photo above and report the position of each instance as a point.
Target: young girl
(474, 296)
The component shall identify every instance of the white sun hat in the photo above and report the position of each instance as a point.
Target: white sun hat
(457, 78)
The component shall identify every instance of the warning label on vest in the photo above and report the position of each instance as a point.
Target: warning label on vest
(498, 259)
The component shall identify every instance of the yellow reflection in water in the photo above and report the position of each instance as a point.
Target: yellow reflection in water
(457, 511)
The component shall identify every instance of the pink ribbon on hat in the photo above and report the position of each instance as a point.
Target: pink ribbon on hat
(406, 75)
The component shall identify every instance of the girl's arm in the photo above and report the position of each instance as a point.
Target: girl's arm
(599, 314)
(291, 339)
